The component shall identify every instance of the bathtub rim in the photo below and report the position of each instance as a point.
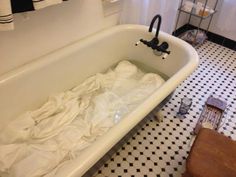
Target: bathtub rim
(59, 53)
(135, 116)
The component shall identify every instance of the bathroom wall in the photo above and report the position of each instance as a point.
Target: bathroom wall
(51, 28)
(215, 25)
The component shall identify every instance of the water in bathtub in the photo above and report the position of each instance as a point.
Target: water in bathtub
(39, 142)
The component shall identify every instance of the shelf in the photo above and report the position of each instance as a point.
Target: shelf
(199, 16)
(192, 13)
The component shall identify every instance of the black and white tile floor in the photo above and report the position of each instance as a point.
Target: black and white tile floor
(160, 149)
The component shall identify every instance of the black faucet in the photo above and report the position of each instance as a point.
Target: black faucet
(154, 42)
(158, 25)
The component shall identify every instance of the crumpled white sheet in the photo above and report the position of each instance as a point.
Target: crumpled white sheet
(40, 141)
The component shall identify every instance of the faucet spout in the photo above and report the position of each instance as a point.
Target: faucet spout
(158, 25)
(158, 49)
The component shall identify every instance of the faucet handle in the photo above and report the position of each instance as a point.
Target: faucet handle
(143, 41)
(152, 43)
(165, 56)
(137, 43)
(164, 46)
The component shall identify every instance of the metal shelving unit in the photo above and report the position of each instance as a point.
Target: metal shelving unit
(201, 17)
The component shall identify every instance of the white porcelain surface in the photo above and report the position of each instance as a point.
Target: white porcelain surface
(28, 87)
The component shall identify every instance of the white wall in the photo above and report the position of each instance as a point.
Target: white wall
(215, 25)
(54, 27)
(49, 29)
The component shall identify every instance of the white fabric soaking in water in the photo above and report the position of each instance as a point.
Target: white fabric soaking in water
(40, 142)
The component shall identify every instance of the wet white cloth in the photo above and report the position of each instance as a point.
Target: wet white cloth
(40, 141)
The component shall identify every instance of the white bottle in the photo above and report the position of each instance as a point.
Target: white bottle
(188, 5)
(199, 7)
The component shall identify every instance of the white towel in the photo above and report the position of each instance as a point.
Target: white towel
(6, 17)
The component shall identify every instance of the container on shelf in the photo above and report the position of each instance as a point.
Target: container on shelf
(200, 10)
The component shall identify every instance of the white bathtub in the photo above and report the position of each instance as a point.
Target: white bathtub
(26, 88)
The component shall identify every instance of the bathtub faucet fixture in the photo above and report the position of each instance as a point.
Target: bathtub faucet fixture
(162, 48)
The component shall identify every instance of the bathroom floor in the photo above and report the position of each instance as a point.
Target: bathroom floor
(160, 149)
